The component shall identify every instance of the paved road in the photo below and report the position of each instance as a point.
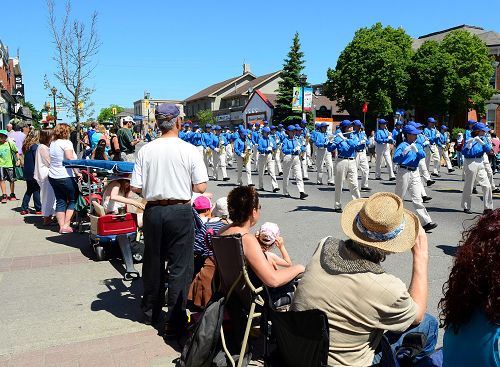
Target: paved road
(59, 307)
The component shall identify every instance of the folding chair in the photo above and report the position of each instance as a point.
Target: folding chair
(302, 338)
(235, 284)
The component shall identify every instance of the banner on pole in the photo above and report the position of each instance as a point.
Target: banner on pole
(297, 99)
(308, 99)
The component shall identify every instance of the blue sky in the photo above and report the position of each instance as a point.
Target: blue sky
(174, 49)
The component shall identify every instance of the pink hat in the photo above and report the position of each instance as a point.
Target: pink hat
(202, 203)
(269, 232)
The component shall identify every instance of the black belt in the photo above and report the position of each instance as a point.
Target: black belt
(350, 158)
(166, 202)
(413, 169)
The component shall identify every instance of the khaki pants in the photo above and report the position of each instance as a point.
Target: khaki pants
(324, 156)
(220, 163)
(382, 150)
(475, 170)
(363, 166)
(239, 170)
(346, 169)
(266, 161)
(407, 180)
(431, 151)
(291, 163)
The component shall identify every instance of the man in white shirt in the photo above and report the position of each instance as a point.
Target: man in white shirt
(166, 172)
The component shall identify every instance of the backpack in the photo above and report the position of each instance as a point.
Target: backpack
(203, 345)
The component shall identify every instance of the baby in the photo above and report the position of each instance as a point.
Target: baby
(268, 236)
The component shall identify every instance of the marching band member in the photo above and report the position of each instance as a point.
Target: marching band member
(422, 167)
(346, 143)
(407, 155)
(443, 142)
(323, 156)
(218, 146)
(197, 139)
(431, 149)
(361, 158)
(474, 149)
(255, 143)
(243, 151)
(382, 140)
(229, 147)
(398, 126)
(303, 155)
(291, 151)
(277, 137)
(266, 149)
(307, 137)
(207, 138)
(185, 134)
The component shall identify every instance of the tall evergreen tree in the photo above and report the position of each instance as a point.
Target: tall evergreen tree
(292, 68)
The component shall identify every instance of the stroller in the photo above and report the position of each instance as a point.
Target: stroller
(108, 232)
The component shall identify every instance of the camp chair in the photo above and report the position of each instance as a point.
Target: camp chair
(302, 338)
(235, 284)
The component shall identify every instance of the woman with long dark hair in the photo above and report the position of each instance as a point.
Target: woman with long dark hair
(30, 146)
(41, 175)
(470, 308)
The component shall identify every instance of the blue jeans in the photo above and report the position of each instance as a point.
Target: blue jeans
(460, 159)
(32, 188)
(66, 193)
(428, 327)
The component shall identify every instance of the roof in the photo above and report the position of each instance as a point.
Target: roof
(207, 92)
(490, 38)
(254, 84)
(262, 96)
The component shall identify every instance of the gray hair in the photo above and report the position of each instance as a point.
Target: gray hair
(372, 254)
(166, 125)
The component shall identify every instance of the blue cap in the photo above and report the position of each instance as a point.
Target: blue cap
(290, 128)
(265, 129)
(399, 122)
(266, 123)
(208, 126)
(431, 120)
(324, 124)
(382, 121)
(411, 129)
(280, 125)
(272, 127)
(345, 123)
(297, 126)
(480, 126)
(317, 124)
(416, 124)
(167, 111)
(304, 121)
(186, 125)
(217, 127)
(444, 127)
(357, 122)
(196, 126)
(243, 131)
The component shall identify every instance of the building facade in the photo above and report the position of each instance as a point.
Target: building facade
(144, 110)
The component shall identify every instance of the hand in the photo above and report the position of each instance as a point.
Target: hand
(479, 140)
(426, 143)
(217, 150)
(421, 247)
(414, 147)
(407, 150)
(362, 142)
(269, 149)
(438, 135)
(279, 242)
(341, 136)
(139, 205)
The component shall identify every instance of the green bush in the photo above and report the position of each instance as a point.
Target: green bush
(455, 132)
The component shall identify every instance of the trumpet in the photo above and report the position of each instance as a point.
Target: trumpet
(222, 147)
(247, 153)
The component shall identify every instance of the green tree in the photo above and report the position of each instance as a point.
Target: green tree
(35, 114)
(471, 72)
(204, 117)
(292, 68)
(372, 68)
(430, 79)
(106, 114)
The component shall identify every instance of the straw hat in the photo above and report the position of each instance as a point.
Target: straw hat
(381, 222)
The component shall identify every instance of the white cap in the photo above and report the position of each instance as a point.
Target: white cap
(128, 119)
(220, 208)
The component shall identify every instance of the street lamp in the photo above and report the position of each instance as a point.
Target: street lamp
(54, 91)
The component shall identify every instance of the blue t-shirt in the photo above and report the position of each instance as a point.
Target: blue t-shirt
(475, 344)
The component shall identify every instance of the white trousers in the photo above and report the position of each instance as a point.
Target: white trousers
(220, 164)
(431, 151)
(346, 169)
(309, 155)
(489, 170)
(239, 170)
(303, 162)
(424, 173)
(278, 156)
(474, 170)
(267, 161)
(382, 150)
(47, 198)
(324, 156)
(407, 180)
(255, 157)
(444, 153)
(208, 157)
(229, 154)
(363, 166)
(291, 163)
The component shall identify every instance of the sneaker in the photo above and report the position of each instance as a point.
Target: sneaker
(303, 195)
(38, 212)
(4, 199)
(12, 197)
(331, 184)
(377, 179)
(337, 210)
(474, 190)
(429, 226)
(392, 179)
(435, 174)
(497, 190)
(276, 189)
(226, 179)
(426, 199)
(280, 174)
(467, 211)
(430, 182)
(306, 178)
(24, 212)
(487, 211)
(366, 189)
(451, 170)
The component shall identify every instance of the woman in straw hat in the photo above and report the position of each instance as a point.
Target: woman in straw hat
(345, 280)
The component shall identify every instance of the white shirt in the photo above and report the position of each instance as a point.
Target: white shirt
(166, 168)
(57, 148)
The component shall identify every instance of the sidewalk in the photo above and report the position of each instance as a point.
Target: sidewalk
(60, 308)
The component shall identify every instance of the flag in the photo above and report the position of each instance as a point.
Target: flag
(365, 107)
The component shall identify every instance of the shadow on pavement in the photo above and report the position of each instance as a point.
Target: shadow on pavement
(448, 250)
(443, 210)
(310, 208)
(330, 188)
(37, 221)
(451, 191)
(75, 240)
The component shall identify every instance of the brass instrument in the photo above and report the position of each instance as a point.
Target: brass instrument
(303, 142)
(247, 153)
(222, 147)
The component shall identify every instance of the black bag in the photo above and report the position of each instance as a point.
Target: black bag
(202, 346)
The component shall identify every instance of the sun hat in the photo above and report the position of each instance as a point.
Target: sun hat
(380, 221)
(268, 233)
(220, 208)
(202, 203)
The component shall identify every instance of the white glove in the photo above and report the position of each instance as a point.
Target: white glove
(217, 150)
(341, 136)
(297, 148)
(362, 141)
(426, 143)
(389, 136)
(438, 135)
(479, 140)
(469, 142)
(330, 138)
(414, 147)
(407, 149)
(269, 149)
